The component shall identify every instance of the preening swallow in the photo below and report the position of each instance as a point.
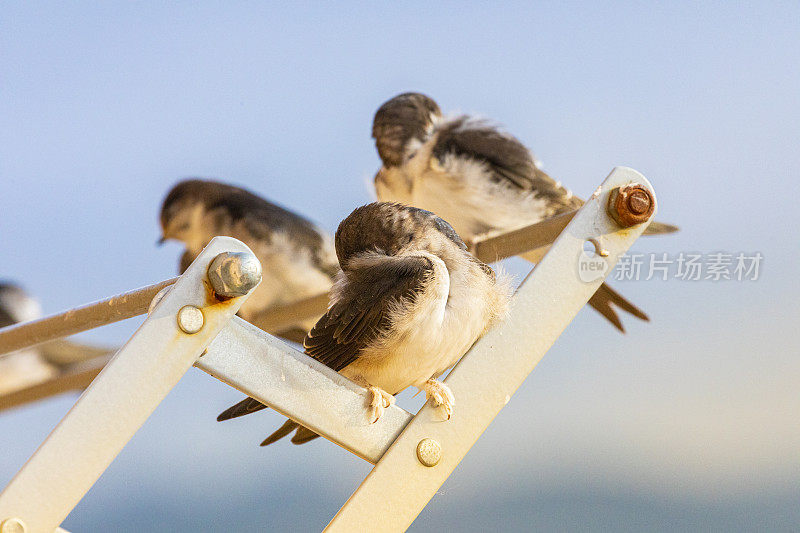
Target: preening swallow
(297, 258)
(409, 302)
(475, 176)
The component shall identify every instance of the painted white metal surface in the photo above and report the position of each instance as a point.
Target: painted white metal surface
(400, 486)
(114, 309)
(119, 400)
(71, 377)
(302, 388)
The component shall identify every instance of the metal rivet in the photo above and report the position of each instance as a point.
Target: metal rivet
(429, 452)
(13, 525)
(233, 274)
(190, 319)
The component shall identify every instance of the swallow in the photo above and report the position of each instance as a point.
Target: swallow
(476, 176)
(34, 365)
(297, 258)
(409, 301)
(24, 367)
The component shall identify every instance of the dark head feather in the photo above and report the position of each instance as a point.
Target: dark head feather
(9, 311)
(404, 117)
(386, 227)
(236, 204)
(6, 315)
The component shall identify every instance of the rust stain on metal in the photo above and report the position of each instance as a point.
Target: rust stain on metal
(213, 299)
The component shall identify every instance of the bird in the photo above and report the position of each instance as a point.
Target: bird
(34, 365)
(476, 176)
(409, 301)
(27, 366)
(297, 257)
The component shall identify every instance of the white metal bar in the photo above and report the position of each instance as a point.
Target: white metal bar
(63, 352)
(119, 400)
(494, 247)
(301, 388)
(400, 486)
(284, 316)
(72, 377)
(114, 309)
(69, 366)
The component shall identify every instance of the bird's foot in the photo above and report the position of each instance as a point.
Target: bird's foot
(380, 400)
(440, 395)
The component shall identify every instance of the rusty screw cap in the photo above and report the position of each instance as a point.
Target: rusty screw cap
(631, 205)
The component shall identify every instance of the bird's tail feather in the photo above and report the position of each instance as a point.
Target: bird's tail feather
(660, 228)
(302, 435)
(250, 405)
(605, 298)
(245, 407)
(281, 432)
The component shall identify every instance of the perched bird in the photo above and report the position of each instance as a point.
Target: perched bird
(31, 366)
(477, 177)
(24, 367)
(297, 258)
(409, 302)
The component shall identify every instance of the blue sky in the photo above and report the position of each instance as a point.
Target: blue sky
(689, 420)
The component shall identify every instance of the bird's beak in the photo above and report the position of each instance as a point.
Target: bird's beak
(161, 241)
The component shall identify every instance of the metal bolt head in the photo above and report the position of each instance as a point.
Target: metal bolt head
(638, 202)
(233, 274)
(630, 205)
(190, 319)
(429, 452)
(13, 525)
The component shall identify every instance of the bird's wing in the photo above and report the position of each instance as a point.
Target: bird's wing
(357, 318)
(508, 160)
(360, 314)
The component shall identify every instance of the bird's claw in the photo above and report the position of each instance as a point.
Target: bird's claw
(440, 395)
(380, 400)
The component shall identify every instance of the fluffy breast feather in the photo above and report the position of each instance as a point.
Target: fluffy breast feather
(428, 337)
(462, 192)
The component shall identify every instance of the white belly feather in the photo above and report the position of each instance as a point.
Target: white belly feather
(447, 319)
(461, 193)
